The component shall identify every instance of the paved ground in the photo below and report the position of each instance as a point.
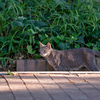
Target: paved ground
(50, 87)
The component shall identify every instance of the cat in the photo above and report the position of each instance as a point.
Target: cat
(71, 59)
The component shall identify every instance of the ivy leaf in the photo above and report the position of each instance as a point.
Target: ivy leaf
(37, 23)
(37, 56)
(81, 40)
(29, 48)
(55, 39)
(61, 37)
(77, 46)
(18, 23)
(95, 48)
(63, 46)
(96, 34)
(89, 44)
(42, 36)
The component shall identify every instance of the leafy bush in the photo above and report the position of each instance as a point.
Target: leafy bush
(64, 23)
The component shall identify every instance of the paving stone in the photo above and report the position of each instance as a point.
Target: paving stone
(58, 94)
(93, 79)
(89, 86)
(63, 82)
(19, 89)
(35, 88)
(5, 93)
(3, 82)
(50, 87)
(78, 82)
(76, 94)
(53, 89)
(71, 90)
(92, 93)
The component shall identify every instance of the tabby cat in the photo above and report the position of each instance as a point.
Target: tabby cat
(70, 60)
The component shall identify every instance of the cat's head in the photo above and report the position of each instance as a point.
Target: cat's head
(45, 50)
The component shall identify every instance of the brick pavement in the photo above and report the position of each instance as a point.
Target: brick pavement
(79, 86)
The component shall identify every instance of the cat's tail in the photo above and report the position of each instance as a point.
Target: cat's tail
(96, 53)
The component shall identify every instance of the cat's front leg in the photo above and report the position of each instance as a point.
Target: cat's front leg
(56, 68)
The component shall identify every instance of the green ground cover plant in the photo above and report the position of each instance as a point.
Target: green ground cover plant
(66, 24)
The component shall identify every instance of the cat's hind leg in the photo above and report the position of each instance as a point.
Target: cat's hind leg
(91, 63)
(93, 67)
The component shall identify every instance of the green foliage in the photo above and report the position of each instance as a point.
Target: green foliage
(29, 48)
(9, 72)
(64, 23)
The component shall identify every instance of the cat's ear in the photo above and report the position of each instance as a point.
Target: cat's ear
(48, 45)
(41, 45)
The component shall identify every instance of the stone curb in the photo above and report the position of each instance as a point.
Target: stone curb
(39, 65)
(33, 65)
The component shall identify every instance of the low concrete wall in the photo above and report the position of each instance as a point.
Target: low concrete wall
(33, 65)
(39, 65)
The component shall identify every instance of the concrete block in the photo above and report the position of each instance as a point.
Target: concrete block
(41, 65)
(20, 65)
